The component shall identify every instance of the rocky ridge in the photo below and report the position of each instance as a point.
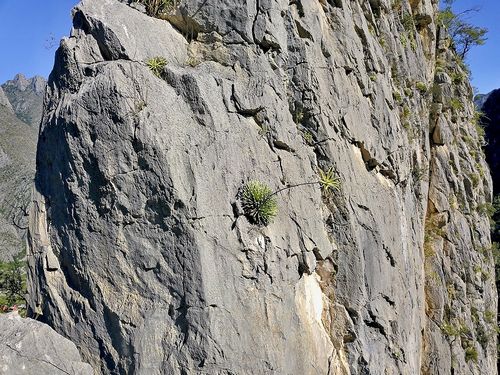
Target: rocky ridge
(4, 101)
(138, 249)
(17, 169)
(26, 97)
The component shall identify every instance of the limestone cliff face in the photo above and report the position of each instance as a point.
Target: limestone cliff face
(138, 251)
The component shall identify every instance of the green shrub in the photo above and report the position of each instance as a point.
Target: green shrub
(463, 34)
(12, 283)
(259, 203)
(456, 104)
(156, 65)
(408, 23)
(397, 97)
(490, 316)
(457, 78)
(406, 112)
(486, 209)
(471, 354)
(422, 87)
(455, 330)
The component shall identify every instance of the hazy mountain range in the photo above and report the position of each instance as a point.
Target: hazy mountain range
(21, 101)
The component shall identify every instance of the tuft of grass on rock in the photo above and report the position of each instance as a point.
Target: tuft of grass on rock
(157, 8)
(157, 65)
(259, 203)
(328, 180)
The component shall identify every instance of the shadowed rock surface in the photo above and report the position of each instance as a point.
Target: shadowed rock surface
(33, 348)
(491, 110)
(138, 249)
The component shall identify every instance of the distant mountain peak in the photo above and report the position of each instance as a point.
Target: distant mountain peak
(21, 83)
(25, 96)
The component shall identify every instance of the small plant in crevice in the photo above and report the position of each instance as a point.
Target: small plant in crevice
(193, 62)
(456, 329)
(432, 231)
(457, 78)
(490, 317)
(420, 173)
(456, 104)
(396, 5)
(157, 8)
(486, 209)
(157, 65)
(408, 92)
(308, 137)
(471, 354)
(403, 39)
(396, 95)
(259, 203)
(422, 87)
(298, 116)
(328, 180)
(264, 130)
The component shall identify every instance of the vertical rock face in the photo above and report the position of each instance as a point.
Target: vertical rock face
(139, 252)
(459, 290)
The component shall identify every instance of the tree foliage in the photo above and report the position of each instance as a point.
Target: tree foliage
(464, 34)
(12, 282)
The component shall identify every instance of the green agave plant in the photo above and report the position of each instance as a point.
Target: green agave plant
(328, 180)
(156, 65)
(259, 203)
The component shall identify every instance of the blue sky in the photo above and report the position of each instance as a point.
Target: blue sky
(484, 60)
(30, 31)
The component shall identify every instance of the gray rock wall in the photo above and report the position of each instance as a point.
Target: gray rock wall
(138, 252)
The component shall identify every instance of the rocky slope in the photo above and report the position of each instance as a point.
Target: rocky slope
(30, 347)
(26, 97)
(139, 251)
(17, 168)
